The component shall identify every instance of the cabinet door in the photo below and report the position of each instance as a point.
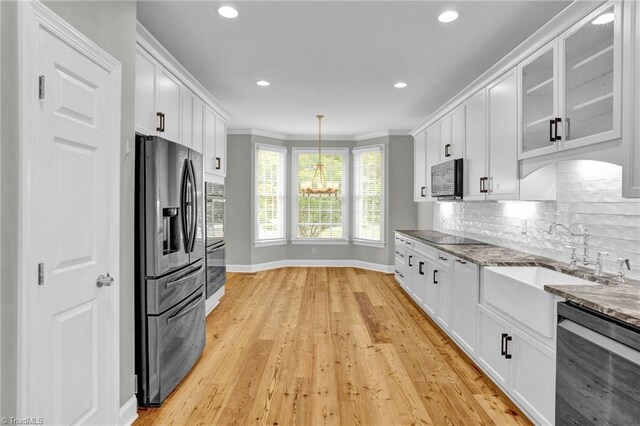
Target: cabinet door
(445, 138)
(198, 125)
(475, 165)
(631, 163)
(503, 134)
(430, 291)
(533, 376)
(187, 118)
(456, 150)
(145, 93)
(465, 296)
(221, 146)
(433, 153)
(410, 270)
(538, 103)
(443, 295)
(591, 73)
(420, 167)
(491, 329)
(419, 277)
(209, 157)
(169, 97)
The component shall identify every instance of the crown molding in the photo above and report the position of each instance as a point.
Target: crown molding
(286, 137)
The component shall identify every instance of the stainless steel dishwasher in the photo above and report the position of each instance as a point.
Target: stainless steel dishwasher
(597, 370)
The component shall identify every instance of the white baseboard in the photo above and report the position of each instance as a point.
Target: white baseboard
(213, 300)
(296, 263)
(129, 412)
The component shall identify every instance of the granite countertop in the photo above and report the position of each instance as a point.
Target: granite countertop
(608, 296)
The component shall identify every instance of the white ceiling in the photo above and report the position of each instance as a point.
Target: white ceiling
(339, 58)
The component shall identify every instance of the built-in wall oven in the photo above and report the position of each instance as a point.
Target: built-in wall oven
(216, 264)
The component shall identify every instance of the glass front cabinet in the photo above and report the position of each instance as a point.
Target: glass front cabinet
(570, 90)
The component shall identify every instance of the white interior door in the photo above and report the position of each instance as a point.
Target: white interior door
(72, 234)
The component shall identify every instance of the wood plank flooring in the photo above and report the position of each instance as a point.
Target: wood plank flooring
(312, 346)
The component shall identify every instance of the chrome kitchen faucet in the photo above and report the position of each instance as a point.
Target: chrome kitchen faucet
(585, 241)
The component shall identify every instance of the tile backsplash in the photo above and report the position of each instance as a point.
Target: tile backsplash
(588, 195)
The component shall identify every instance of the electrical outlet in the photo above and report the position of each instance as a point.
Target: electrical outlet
(523, 227)
(314, 250)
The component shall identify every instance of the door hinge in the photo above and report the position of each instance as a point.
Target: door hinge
(135, 384)
(41, 87)
(40, 273)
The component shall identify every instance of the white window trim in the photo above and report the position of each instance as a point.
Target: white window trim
(383, 213)
(254, 198)
(345, 197)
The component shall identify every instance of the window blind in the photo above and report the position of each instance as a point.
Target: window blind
(270, 192)
(369, 183)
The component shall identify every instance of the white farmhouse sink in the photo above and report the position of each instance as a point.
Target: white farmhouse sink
(518, 291)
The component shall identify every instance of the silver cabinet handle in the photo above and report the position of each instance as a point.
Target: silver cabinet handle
(104, 280)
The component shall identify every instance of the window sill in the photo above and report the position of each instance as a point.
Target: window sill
(320, 241)
(269, 243)
(369, 243)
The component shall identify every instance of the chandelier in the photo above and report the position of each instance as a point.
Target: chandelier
(319, 185)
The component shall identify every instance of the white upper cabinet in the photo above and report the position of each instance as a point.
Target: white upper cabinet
(158, 107)
(433, 153)
(475, 164)
(570, 90)
(420, 167)
(209, 155)
(145, 91)
(169, 105)
(452, 135)
(538, 110)
(631, 169)
(502, 182)
(591, 75)
(197, 142)
(456, 150)
(445, 138)
(187, 117)
(221, 146)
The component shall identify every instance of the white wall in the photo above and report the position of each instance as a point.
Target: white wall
(588, 195)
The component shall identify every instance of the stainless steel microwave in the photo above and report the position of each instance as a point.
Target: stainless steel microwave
(447, 180)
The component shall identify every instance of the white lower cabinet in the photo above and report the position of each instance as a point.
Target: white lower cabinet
(522, 365)
(442, 282)
(465, 295)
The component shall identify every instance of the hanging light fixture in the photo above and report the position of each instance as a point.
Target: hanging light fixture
(318, 185)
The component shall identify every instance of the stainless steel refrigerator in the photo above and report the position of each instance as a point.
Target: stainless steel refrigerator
(170, 270)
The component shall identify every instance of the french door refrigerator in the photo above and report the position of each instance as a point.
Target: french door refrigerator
(170, 271)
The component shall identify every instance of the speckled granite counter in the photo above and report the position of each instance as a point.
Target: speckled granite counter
(618, 300)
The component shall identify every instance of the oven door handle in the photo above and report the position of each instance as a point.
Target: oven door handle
(187, 309)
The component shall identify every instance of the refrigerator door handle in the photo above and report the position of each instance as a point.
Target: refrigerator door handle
(194, 207)
(184, 204)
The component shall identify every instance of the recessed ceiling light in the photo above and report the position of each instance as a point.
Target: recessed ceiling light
(605, 18)
(400, 85)
(448, 16)
(262, 83)
(228, 12)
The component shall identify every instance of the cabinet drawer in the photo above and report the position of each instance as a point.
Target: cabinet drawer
(445, 260)
(429, 252)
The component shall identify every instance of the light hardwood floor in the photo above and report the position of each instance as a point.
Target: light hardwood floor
(313, 346)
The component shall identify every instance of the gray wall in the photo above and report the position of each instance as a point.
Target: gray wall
(425, 214)
(112, 26)
(239, 218)
(9, 200)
